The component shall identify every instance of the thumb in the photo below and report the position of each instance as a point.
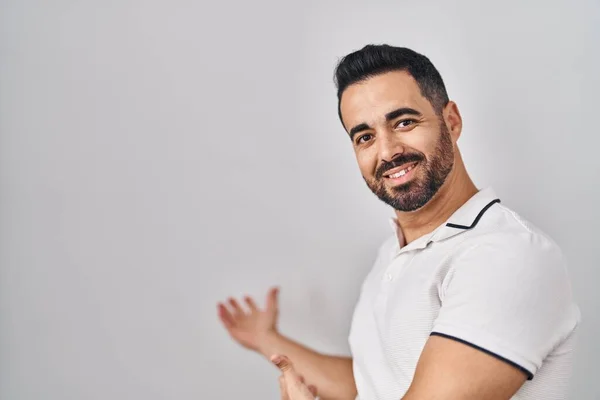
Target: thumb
(296, 389)
(283, 363)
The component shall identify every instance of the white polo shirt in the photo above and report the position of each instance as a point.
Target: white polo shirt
(486, 278)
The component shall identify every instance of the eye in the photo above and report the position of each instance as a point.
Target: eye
(364, 138)
(405, 123)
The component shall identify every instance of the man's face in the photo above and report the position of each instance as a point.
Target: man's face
(403, 148)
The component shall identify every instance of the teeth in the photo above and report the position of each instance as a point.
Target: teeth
(398, 174)
(401, 173)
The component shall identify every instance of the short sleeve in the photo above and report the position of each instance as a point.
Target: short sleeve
(509, 297)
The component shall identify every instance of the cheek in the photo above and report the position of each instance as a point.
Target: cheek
(424, 142)
(367, 162)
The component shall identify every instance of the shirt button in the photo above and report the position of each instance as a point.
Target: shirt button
(389, 277)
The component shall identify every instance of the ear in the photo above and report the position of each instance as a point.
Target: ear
(453, 120)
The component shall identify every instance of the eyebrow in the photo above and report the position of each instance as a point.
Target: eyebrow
(388, 117)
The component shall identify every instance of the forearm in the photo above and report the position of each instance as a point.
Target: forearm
(332, 375)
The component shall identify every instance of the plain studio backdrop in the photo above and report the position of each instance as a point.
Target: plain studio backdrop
(157, 157)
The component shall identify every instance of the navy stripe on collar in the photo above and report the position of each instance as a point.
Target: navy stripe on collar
(449, 225)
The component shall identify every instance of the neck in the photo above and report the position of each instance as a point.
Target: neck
(455, 192)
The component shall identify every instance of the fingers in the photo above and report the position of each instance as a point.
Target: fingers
(311, 388)
(272, 299)
(233, 310)
(237, 309)
(225, 316)
(283, 363)
(251, 304)
(294, 383)
(283, 388)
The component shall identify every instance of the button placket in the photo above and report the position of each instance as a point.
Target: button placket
(392, 269)
(398, 266)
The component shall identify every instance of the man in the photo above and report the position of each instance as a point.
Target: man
(467, 300)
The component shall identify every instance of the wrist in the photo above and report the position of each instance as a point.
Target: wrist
(269, 343)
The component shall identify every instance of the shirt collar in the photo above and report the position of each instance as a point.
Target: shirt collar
(463, 219)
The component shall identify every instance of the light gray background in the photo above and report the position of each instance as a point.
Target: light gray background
(156, 157)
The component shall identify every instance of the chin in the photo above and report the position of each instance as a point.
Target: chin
(402, 189)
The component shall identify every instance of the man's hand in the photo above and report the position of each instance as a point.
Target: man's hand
(250, 326)
(291, 383)
(256, 329)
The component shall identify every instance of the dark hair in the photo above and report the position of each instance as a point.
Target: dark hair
(373, 60)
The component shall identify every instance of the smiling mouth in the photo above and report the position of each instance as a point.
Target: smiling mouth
(400, 171)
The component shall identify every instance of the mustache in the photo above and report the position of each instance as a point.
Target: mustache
(396, 162)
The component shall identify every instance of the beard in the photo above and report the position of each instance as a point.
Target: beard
(412, 195)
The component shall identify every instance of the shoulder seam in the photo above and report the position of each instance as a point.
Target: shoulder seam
(516, 218)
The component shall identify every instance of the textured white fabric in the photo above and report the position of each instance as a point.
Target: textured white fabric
(500, 285)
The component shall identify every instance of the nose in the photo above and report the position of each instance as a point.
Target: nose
(389, 146)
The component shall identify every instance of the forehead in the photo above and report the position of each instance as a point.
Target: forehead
(368, 101)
